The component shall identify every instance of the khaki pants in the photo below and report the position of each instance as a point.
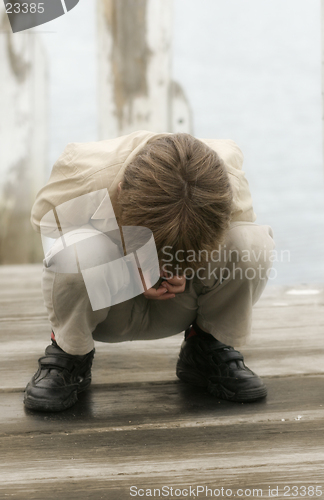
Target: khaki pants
(219, 298)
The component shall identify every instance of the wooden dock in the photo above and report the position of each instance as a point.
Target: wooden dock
(139, 427)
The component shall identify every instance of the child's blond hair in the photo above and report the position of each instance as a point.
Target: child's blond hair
(179, 188)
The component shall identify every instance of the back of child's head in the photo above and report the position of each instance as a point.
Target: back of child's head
(179, 188)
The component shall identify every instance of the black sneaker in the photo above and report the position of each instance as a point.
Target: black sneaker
(59, 379)
(206, 362)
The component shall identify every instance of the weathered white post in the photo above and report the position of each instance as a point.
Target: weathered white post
(23, 140)
(136, 90)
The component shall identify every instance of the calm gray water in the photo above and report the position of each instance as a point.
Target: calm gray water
(251, 70)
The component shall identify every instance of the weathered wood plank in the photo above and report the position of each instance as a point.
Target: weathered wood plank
(132, 406)
(139, 426)
(231, 457)
(118, 487)
(129, 362)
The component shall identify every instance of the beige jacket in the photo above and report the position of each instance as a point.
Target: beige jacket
(87, 167)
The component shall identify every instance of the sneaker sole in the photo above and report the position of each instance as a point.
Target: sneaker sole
(218, 390)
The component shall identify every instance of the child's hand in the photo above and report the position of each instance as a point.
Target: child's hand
(168, 289)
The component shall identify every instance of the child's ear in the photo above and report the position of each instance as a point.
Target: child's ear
(119, 187)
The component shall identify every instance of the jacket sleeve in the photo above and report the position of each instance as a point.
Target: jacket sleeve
(230, 153)
(84, 168)
(63, 185)
(242, 199)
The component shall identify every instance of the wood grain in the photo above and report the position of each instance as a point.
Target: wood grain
(139, 426)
